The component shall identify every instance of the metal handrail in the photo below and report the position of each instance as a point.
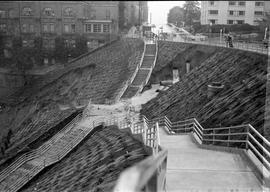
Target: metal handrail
(249, 134)
(144, 175)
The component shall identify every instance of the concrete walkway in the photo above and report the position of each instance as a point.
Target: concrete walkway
(193, 169)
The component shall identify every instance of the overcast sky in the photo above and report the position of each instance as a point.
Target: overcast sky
(160, 9)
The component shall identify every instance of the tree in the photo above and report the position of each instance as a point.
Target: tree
(38, 44)
(263, 24)
(176, 16)
(61, 52)
(191, 12)
(81, 45)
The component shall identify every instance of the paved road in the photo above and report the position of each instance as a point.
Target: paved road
(190, 168)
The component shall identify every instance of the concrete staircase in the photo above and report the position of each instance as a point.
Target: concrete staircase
(190, 168)
(144, 72)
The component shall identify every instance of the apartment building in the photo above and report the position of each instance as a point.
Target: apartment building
(98, 21)
(233, 12)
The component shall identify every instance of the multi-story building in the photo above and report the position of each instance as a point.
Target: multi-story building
(96, 20)
(233, 12)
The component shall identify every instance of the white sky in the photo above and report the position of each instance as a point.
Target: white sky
(160, 10)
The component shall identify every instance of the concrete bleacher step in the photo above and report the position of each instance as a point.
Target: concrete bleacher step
(130, 92)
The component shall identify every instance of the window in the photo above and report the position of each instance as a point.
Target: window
(70, 43)
(212, 2)
(24, 28)
(213, 21)
(87, 28)
(240, 21)
(241, 13)
(11, 13)
(242, 3)
(231, 12)
(106, 28)
(3, 27)
(108, 14)
(27, 11)
(97, 28)
(45, 28)
(66, 28)
(213, 12)
(69, 12)
(232, 3)
(48, 12)
(259, 4)
(52, 27)
(2, 14)
(48, 43)
(258, 13)
(69, 28)
(229, 21)
(72, 28)
(31, 28)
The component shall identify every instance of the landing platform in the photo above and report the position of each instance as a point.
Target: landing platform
(193, 169)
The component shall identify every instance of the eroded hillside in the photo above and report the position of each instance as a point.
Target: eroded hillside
(241, 101)
(97, 76)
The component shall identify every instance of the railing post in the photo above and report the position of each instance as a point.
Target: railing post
(247, 137)
(144, 130)
(229, 137)
(214, 131)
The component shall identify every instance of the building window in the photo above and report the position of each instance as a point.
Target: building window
(108, 14)
(2, 14)
(87, 28)
(212, 2)
(242, 3)
(48, 43)
(213, 12)
(259, 4)
(70, 43)
(66, 28)
(52, 27)
(258, 13)
(97, 28)
(106, 28)
(27, 11)
(232, 3)
(11, 13)
(3, 27)
(72, 28)
(240, 21)
(69, 12)
(24, 28)
(213, 21)
(241, 13)
(231, 12)
(48, 12)
(31, 28)
(229, 22)
(45, 28)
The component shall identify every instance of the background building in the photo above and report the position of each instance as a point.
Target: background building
(98, 21)
(233, 12)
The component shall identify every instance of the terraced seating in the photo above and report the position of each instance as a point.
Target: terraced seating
(95, 165)
(241, 101)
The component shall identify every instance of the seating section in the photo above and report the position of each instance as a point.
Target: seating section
(95, 165)
(241, 101)
(97, 76)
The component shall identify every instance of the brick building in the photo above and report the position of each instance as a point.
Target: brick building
(96, 20)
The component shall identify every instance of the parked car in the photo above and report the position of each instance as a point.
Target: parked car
(200, 37)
